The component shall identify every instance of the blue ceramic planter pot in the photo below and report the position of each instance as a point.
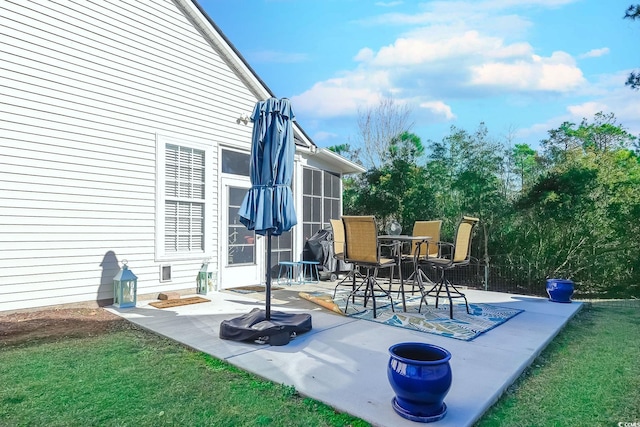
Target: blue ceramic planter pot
(420, 376)
(560, 290)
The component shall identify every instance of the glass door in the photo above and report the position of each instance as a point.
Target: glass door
(242, 250)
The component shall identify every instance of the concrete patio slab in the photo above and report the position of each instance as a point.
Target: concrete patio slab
(342, 361)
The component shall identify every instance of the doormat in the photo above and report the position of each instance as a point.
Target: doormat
(250, 289)
(432, 320)
(178, 302)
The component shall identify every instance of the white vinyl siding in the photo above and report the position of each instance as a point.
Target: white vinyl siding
(85, 87)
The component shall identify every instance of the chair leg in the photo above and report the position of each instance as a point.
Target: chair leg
(370, 286)
(351, 276)
(373, 284)
(451, 291)
(459, 294)
(353, 293)
(437, 287)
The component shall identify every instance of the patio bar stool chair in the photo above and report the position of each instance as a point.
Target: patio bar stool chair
(420, 252)
(459, 255)
(361, 248)
(337, 230)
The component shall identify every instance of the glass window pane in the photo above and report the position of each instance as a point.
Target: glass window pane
(306, 209)
(307, 181)
(236, 196)
(234, 218)
(307, 231)
(235, 163)
(327, 185)
(317, 183)
(335, 209)
(316, 211)
(335, 186)
(326, 211)
(286, 240)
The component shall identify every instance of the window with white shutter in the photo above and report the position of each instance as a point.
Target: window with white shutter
(183, 199)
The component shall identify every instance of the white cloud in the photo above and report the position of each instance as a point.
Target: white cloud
(449, 50)
(555, 73)
(421, 48)
(616, 99)
(595, 53)
(340, 96)
(438, 108)
(323, 136)
(364, 55)
(587, 109)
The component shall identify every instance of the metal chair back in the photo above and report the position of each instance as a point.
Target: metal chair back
(462, 248)
(361, 239)
(431, 229)
(337, 228)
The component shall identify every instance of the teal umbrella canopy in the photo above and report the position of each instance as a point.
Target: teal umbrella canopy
(268, 210)
(268, 206)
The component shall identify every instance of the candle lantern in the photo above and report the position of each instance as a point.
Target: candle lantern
(125, 287)
(205, 279)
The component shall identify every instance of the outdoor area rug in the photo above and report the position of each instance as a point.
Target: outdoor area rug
(178, 302)
(463, 326)
(251, 289)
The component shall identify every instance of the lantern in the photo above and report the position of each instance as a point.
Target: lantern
(205, 279)
(125, 287)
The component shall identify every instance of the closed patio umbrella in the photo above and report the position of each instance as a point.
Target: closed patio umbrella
(268, 208)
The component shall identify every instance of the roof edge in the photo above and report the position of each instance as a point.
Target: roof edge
(348, 167)
(234, 58)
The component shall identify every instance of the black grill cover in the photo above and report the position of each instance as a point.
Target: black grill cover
(319, 247)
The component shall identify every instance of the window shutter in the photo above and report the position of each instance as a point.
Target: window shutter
(184, 199)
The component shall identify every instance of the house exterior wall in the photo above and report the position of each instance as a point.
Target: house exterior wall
(86, 90)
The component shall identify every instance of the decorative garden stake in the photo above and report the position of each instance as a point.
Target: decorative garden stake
(420, 375)
(205, 279)
(559, 290)
(125, 287)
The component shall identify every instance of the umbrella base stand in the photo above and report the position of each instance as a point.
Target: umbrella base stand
(255, 326)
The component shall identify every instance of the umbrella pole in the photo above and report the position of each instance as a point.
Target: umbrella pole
(267, 284)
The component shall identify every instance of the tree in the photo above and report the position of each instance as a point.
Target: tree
(633, 13)
(391, 191)
(464, 170)
(602, 134)
(377, 126)
(561, 141)
(579, 220)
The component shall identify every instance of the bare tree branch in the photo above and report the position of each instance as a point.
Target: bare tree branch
(378, 125)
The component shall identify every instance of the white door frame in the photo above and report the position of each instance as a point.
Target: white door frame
(241, 274)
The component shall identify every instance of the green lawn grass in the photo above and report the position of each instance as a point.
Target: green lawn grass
(134, 378)
(588, 376)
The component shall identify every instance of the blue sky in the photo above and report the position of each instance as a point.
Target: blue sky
(520, 66)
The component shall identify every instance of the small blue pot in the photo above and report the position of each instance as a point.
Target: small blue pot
(420, 376)
(560, 290)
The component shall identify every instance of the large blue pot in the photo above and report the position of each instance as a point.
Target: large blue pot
(560, 290)
(420, 376)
